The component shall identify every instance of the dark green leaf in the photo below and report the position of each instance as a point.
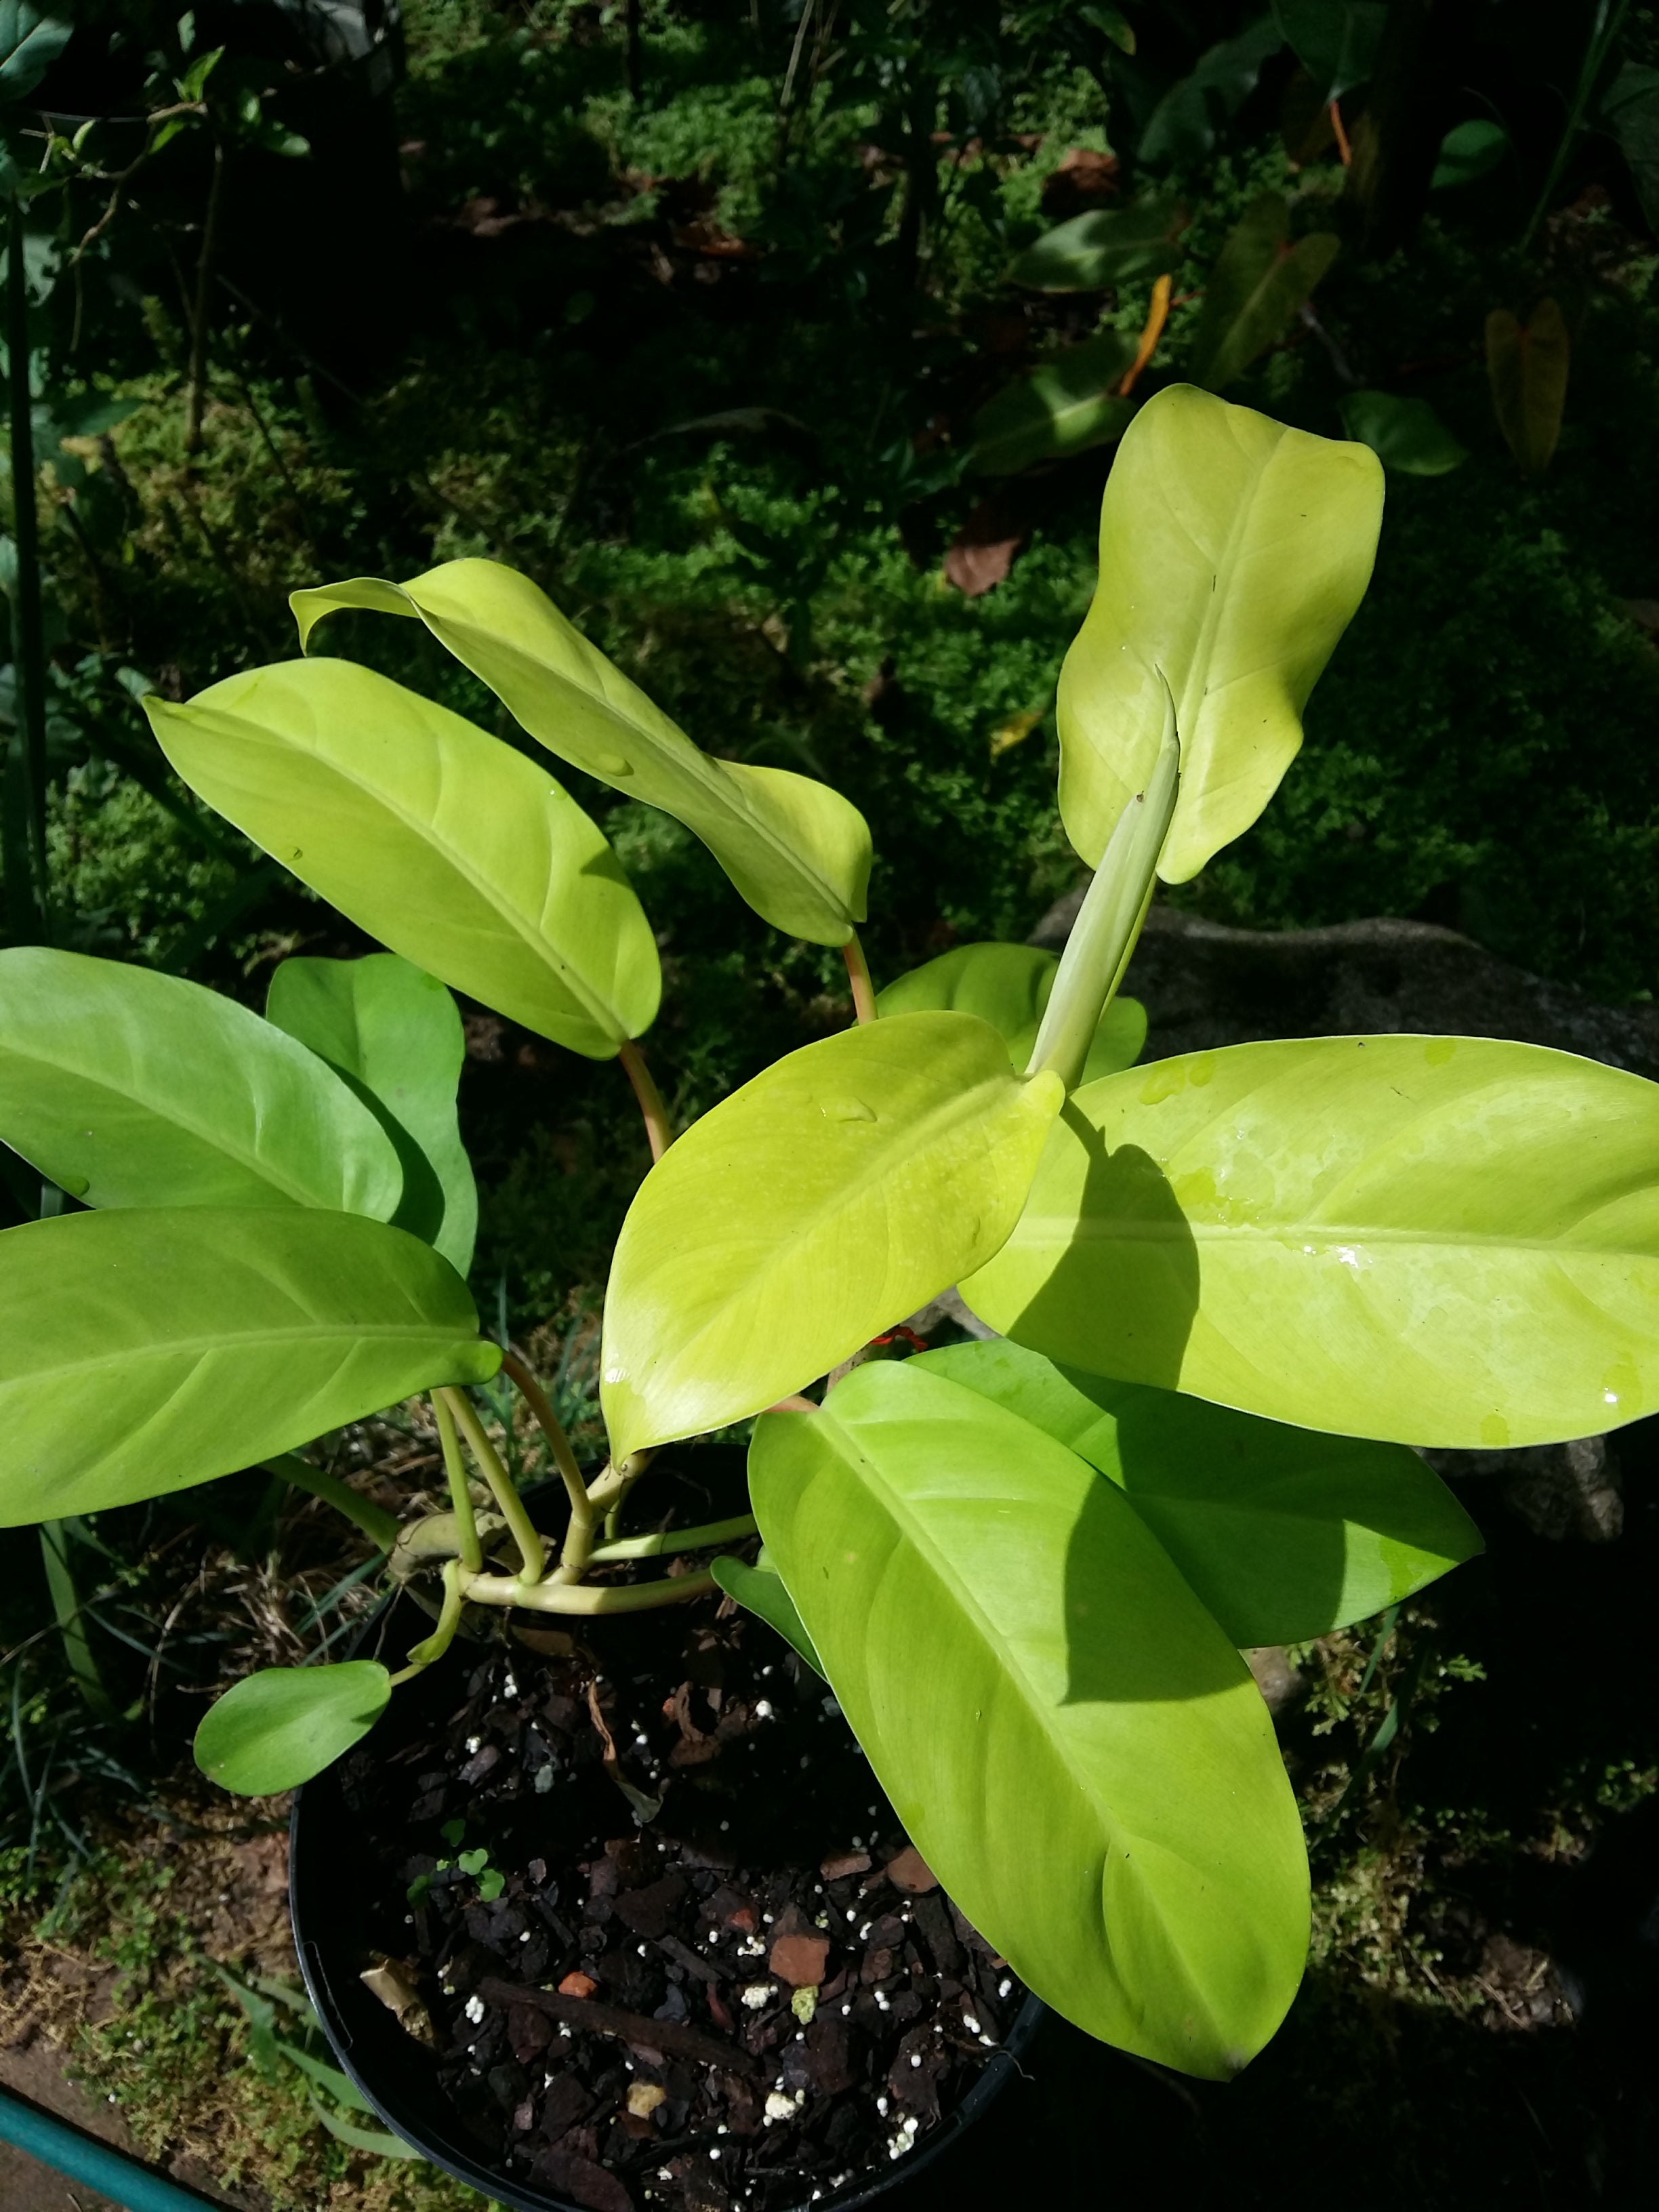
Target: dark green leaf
(1632, 113)
(1405, 435)
(1184, 125)
(1108, 245)
(1335, 40)
(31, 41)
(1469, 151)
(1064, 407)
(1258, 280)
(369, 2139)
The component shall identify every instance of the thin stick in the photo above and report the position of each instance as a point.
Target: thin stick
(461, 1495)
(858, 971)
(586, 1597)
(667, 1541)
(524, 1535)
(196, 389)
(376, 1524)
(1152, 331)
(657, 1126)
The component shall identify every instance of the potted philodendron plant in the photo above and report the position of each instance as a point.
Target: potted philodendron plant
(1232, 1291)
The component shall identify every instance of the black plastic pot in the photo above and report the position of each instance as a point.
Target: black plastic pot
(328, 1876)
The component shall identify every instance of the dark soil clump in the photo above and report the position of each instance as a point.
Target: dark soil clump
(675, 1945)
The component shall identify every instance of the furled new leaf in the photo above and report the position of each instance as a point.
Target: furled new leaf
(1435, 1240)
(760, 1590)
(276, 1729)
(1009, 986)
(1108, 245)
(836, 1193)
(1283, 1532)
(1068, 404)
(798, 851)
(144, 1350)
(128, 1088)
(396, 1034)
(446, 844)
(1076, 1749)
(1233, 553)
(1405, 434)
(1527, 366)
(1258, 280)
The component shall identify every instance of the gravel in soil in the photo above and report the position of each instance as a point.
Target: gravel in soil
(673, 1944)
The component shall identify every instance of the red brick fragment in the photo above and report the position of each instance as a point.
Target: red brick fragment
(909, 1871)
(839, 1864)
(577, 1985)
(800, 1959)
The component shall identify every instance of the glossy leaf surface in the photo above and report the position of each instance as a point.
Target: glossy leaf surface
(1233, 553)
(395, 1034)
(1435, 1240)
(1108, 245)
(760, 1590)
(446, 844)
(1527, 366)
(1009, 986)
(798, 851)
(1469, 151)
(1260, 280)
(1075, 1747)
(128, 1088)
(1285, 1533)
(276, 1729)
(825, 1201)
(145, 1350)
(1405, 434)
(1065, 406)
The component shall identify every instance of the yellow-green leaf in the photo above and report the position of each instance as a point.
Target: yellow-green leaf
(449, 846)
(1431, 1240)
(835, 1194)
(1233, 553)
(798, 851)
(1009, 986)
(1078, 1751)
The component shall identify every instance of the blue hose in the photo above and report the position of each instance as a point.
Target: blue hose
(85, 2160)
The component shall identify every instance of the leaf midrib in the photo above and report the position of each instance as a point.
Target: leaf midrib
(1082, 1230)
(196, 1346)
(701, 772)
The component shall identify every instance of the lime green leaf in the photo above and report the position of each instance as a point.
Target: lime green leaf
(1065, 406)
(1527, 366)
(760, 1590)
(1283, 1534)
(798, 851)
(1469, 151)
(443, 843)
(395, 1034)
(1074, 1744)
(1405, 434)
(1108, 245)
(128, 1088)
(1233, 553)
(344, 2091)
(836, 1193)
(1258, 280)
(143, 1351)
(276, 1729)
(1435, 1240)
(1009, 986)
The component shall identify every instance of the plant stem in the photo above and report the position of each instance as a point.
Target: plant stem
(433, 1647)
(578, 1537)
(609, 1490)
(1104, 935)
(524, 1536)
(657, 1126)
(858, 973)
(795, 1404)
(377, 1524)
(461, 1495)
(196, 392)
(1156, 315)
(664, 1541)
(28, 647)
(586, 1597)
